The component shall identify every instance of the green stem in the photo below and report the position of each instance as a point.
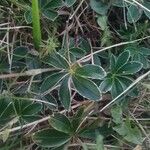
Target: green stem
(36, 24)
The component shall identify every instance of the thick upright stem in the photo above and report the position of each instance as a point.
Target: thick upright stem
(36, 24)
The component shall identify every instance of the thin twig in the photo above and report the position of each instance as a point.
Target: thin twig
(76, 10)
(32, 72)
(112, 46)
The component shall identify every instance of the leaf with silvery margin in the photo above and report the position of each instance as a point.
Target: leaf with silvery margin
(142, 59)
(28, 16)
(126, 82)
(140, 54)
(61, 123)
(116, 113)
(134, 13)
(52, 81)
(6, 110)
(97, 60)
(122, 59)
(116, 88)
(86, 88)
(113, 61)
(52, 102)
(69, 3)
(99, 7)
(147, 5)
(56, 60)
(26, 107)
(27, 110)
(77, 52)
(53, 4)
(50, 14)
(65, 93)
(91, 71)
(106, 85)
(77, 118)
(130, 68)
(50, 138)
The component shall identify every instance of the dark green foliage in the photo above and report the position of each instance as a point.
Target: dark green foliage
(64, 95)
(119, 77)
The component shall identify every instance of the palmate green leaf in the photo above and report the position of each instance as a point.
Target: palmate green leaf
(65, 93)
(99, 7)
(91, 71)
(130, 68)
(52, 80)
(50, 138)
(61, 123)
(134, 13)
(56, 60)
(69, 3)
(86, 88)
(122, 59)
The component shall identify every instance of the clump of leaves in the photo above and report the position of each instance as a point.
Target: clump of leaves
(140, 54)
(64, 129)
(119, 76)
(72, 74)
(134, 12)
(127, 129)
